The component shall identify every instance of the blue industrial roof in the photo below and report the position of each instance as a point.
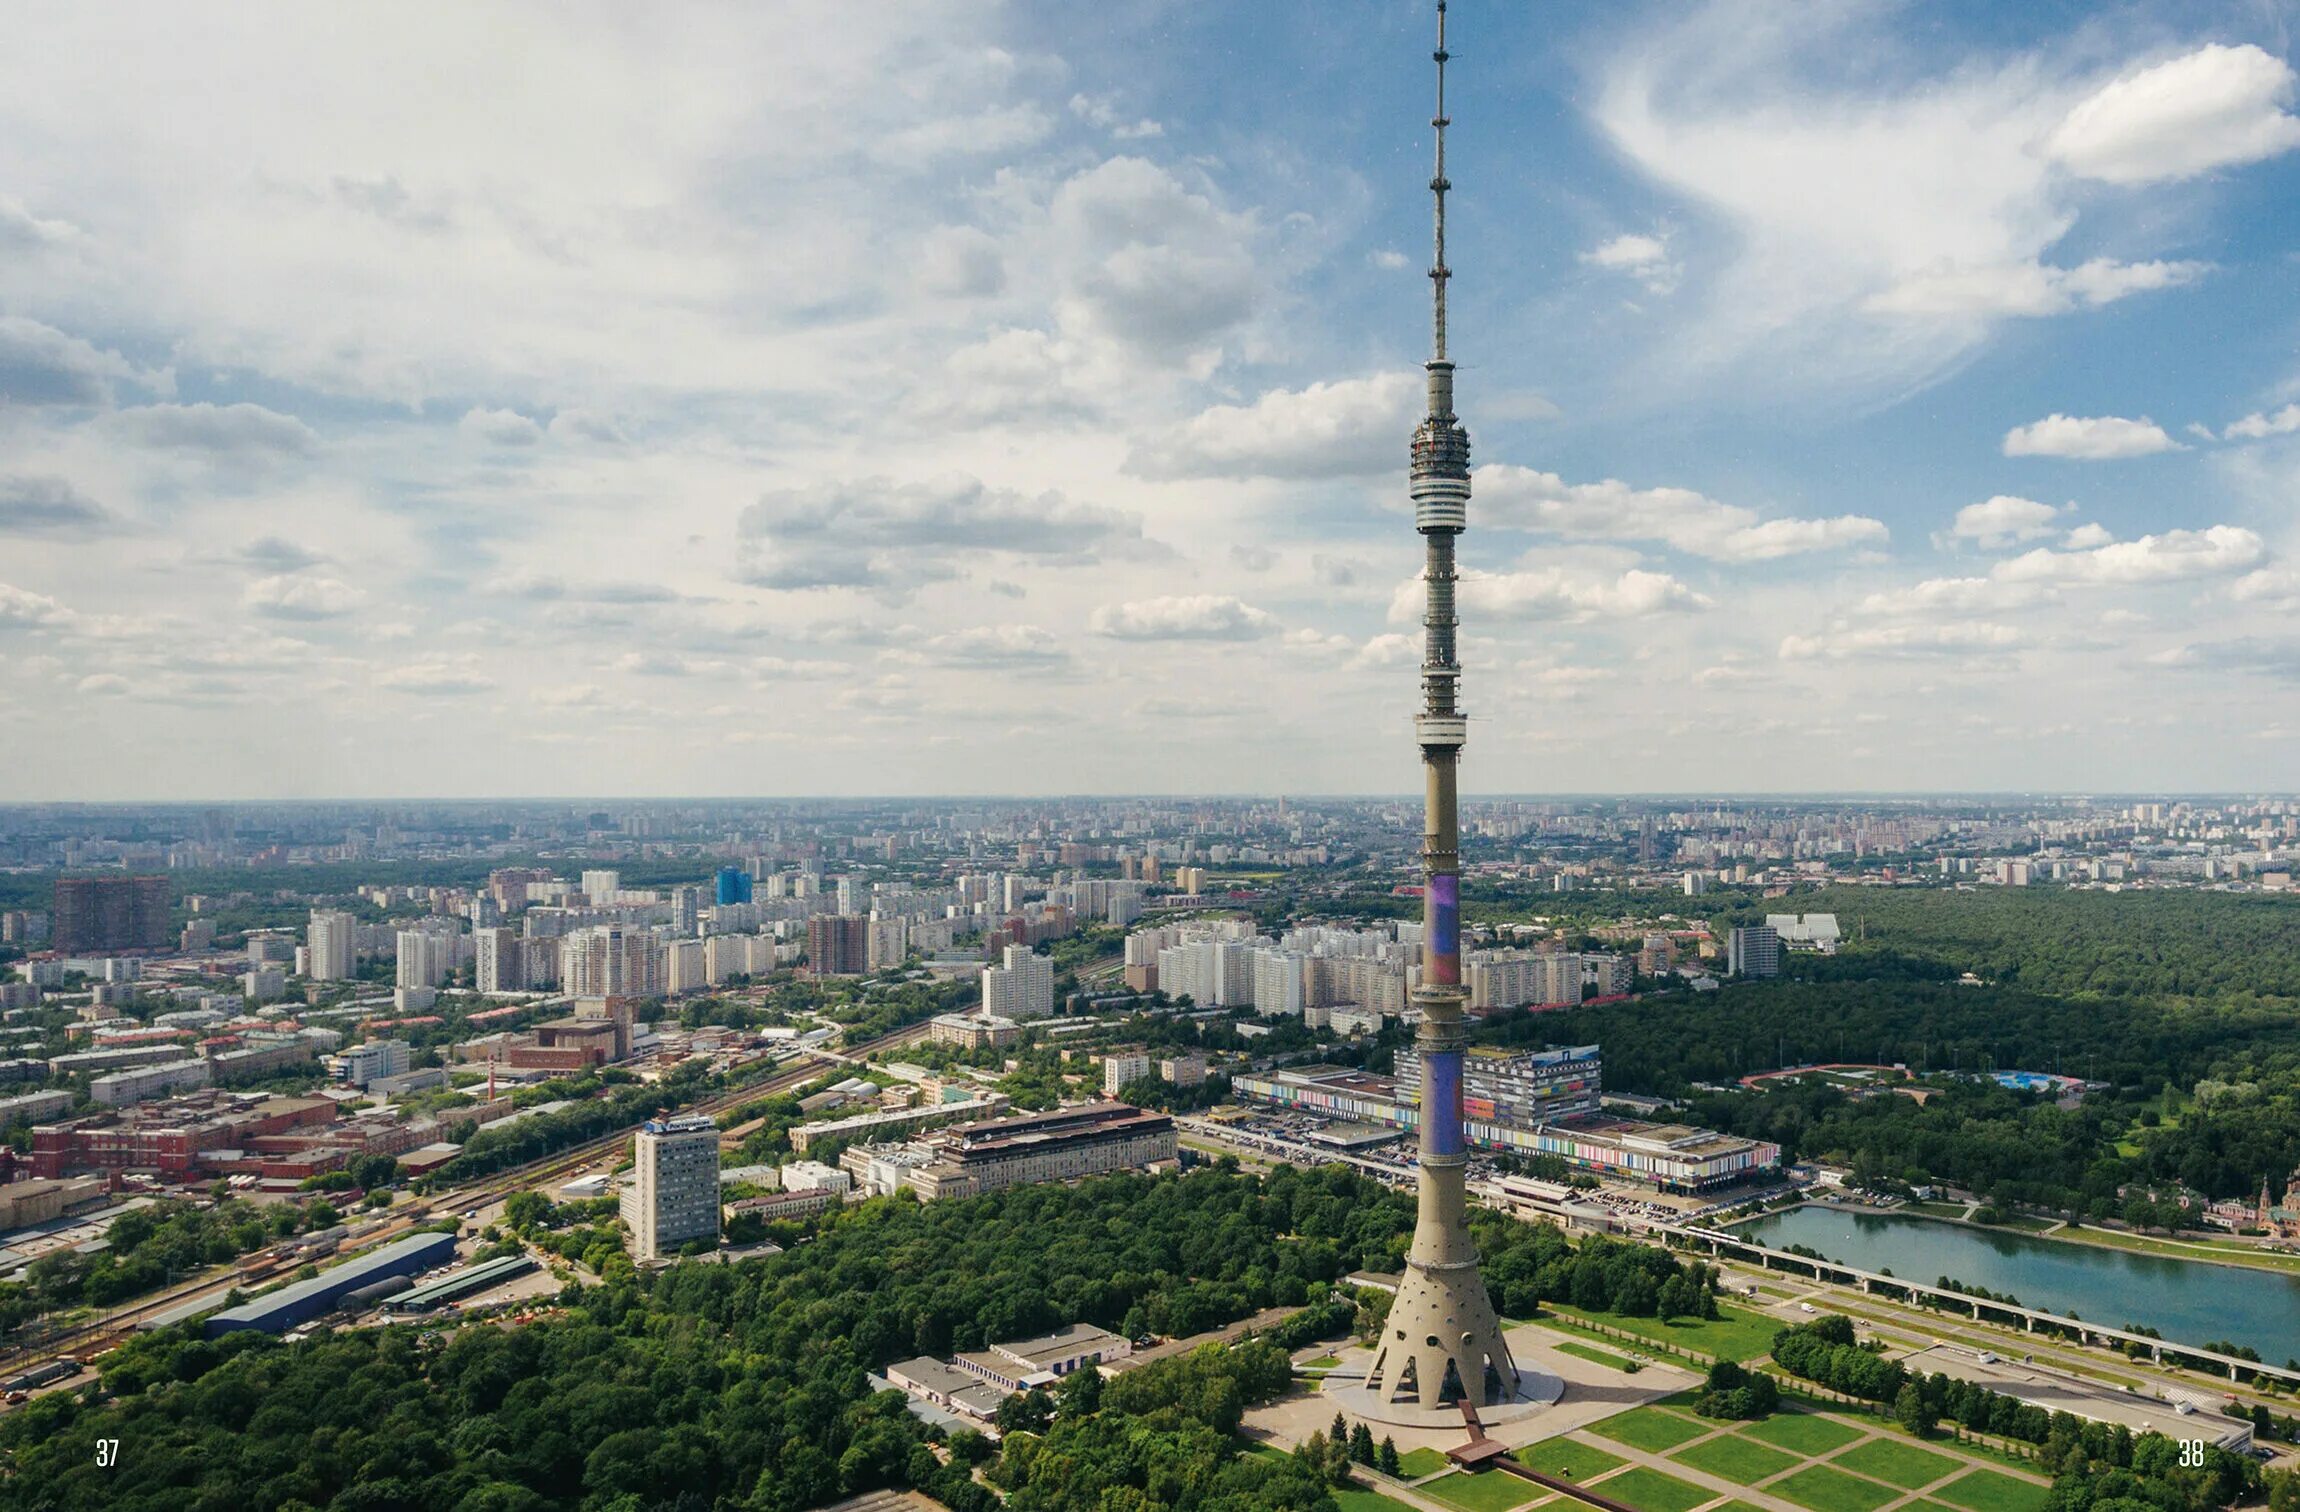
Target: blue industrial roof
(304, 1300)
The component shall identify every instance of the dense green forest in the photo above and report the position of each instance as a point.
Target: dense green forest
(2195, 993)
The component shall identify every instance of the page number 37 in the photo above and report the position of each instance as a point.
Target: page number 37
(107, 1453)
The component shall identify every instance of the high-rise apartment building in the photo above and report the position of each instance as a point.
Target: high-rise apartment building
(497, 958)
(1021, 988)
(603, 886)
(610, 960)
(332, 944)
(110, 913)
(733, 885)
(838, 944)
(673, 1198)
(1753, 950)
(889, 943)
(426, 958)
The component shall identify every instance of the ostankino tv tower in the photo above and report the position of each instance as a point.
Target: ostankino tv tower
(1442, 1342)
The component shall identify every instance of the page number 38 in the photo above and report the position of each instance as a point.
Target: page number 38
(107, 1453)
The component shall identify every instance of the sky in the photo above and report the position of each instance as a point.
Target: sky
(1014, 398)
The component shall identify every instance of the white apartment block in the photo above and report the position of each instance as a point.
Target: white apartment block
(673, 1196)
(1020, 989)
(425, 958)
(888, 943)
(685, 967)
(610, 960)
(138, 1083)
(365, 1063)
(332, 941)
(1278, 983)
(1122, 1066)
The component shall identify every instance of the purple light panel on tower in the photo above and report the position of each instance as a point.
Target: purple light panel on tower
(1441, 1102)
(1443, 957)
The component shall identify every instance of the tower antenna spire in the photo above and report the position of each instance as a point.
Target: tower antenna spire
(1439, 272)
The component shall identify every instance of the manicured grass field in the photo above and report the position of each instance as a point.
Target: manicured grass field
(1484, 1491)
(1802, 1433)
(1651, 1491)
(1359, 1499)
(1829, 1490)
(1987, 1491)
(1736, 1505)
(1322, 1362)
(1899, 1464)
(1596, 1356)
(1568, 1459)
(1737, 1459)
(1416, 1463)
(1733, 1334)
(1649, 1428)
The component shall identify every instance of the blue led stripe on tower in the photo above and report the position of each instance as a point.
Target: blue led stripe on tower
(1441, 1102)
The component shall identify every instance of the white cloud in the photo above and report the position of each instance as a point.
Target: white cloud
(1552, 593)
(1645, 258)
(1521, 498)
(2086, 536)
(1102, 111)
(962, 262)
(1200, 616)
(1884, 213)
(997, 646)
(2174, 556)
(2021, 288)
(873, 533)
(1329, 430)
(437, 677)
(2002, 521)
(2216, 107)
(52, 507)
(2101, 438)
(1962, 638)
(1936, 596)
(500, 427)
(20, 608)
(219, 430)
(300, 597)
(2255, 427)
(1389, 260)
(40, 365)
(2272, 587)
(1151, 265)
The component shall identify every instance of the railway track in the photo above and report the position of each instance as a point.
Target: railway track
(108, 1331)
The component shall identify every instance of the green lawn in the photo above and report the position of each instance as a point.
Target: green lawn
(1899, 1464)
(1651, 1491)
(1416, 1463)
(1483, 1491)
(1649, 1428)
(1322, 1362)
(1802, 1433)
(1830, 1490)
(1988, 1491)
(1568, 1459)
(1737, 1459)
(1732, 1335)
(1597, 1356)
(1359, 1499)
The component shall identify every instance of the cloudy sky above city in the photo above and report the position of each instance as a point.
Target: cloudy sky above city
(1014, 398)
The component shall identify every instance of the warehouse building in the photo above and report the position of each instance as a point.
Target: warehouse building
(305, 1300)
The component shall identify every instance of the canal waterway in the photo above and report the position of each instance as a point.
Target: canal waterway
(2189, 1301)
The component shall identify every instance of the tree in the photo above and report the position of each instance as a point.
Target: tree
(1362, 1444)
(1386, 1457)
(1025, 1412)
(1913, 1412)
(1079, 1393)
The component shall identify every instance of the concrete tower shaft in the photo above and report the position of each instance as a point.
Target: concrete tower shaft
(1442, 1342)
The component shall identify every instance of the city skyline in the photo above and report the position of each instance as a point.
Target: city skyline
(983, 404)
